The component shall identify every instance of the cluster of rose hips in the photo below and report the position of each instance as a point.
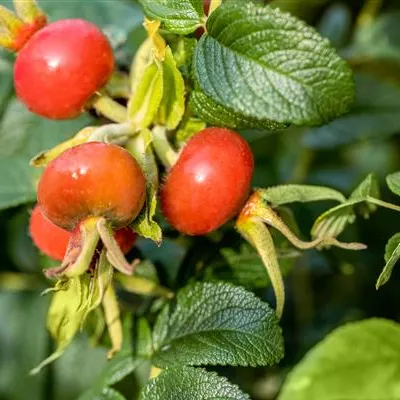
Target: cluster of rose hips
(57, 71)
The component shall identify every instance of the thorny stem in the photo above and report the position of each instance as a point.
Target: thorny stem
(162, 146)
(257, 234)
(113, 320)
(109, 108)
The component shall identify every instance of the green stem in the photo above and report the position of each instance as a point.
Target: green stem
(143, 286)
(382, 203)
(109, 108)
(162, 146)
(257, 234)
(268, 216)
(112, 132)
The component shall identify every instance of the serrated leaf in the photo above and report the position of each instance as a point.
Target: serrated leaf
(358, 361)
(217, 115)
(218, 324)
(393, 181)
(147, 92)
(140, 148)
(191, 383)
(172, 106)
(178, 16)
(392, 256)
(374, 116)
(333, 222)
(271, 66)
(286, 194)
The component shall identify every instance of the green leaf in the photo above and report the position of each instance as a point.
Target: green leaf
(374, 116)
(215, 114)
(178, 16)
(358, 361)
(147, 89)
(65, 316)
(191, 383)
(266, 64)
(140, 147)
(172, 104)
(393, 182)
(23, 135)
(243, 267)
(117, 18)
(333, 222)
(18, 185)
(24, 342)
(286, 194)
(183, 50)
(187, 129)
(217, 324)
(392, 255)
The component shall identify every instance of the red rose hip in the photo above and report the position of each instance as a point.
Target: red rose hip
(53, 241)
(209, 183)
(92, 180)
(48, 238)
(61, 67)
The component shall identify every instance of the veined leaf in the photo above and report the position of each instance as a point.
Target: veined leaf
(218, 324)
(178, 16)
(217, 115)
(286, 194)
(266, 64)
(191, 383)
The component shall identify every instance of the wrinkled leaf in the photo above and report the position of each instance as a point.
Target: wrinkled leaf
(218, 324)
(218, 115)
(191, 383)
(266, 64)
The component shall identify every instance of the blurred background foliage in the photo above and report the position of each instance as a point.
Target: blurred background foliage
(325, 289)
